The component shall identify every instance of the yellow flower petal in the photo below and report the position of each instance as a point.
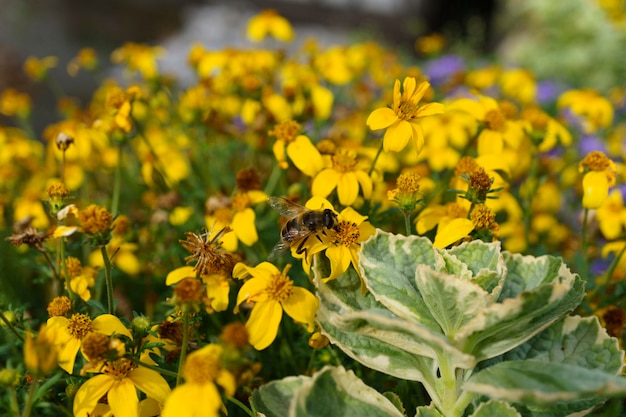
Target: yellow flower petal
(262, 325)
(193, 400)
(381, 118)
(301, 306)
(347, 188)
(430, 109)
(63, 231)
(151, 383)
(179, 274)
(305, 156)
(595, 189)
(244, 227)
(397, 136)
(122, 398)
(325, 182)
(453, 231)
(90, 393)
(110, 324)
(340, 258)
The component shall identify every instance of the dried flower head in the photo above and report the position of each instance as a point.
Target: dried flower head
(189, 292)
(248, 179)
(31, 237)
(208, 254)
(63, 141)
(235, 334)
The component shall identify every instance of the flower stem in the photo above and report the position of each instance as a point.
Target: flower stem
(380, 150)
(183, 348)
(407, 222)
(108, 279)
(10, 326)
(154, 368)
(272, 182)
(241, 405)
(584, 261)
(31, 397)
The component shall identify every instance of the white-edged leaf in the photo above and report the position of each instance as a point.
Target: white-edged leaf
(388, 264)
(486, 263)
(333, 391)
(428, 411)
(274, 398)
(495, 408)
(527, 272)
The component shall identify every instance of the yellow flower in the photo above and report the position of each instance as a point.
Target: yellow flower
(342, 244)
(14, 103)
(119, 381)
(402, 121)
(545, 130)
(217, 285)
(344, 175)
(298, 147)
(86, 58)
(599, 176)
(451, 222)
(595, 110)
(40, 354)
(519, 84)
(199, 396)
(612, 215)
(139, 57)
(271, 291)
(269, 23)
(37, 69)
(69, 333)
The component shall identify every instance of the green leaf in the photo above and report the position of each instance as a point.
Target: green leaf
(429, 411)
(333, 391)
(547, 387)
(503, 326)
(495, 408)
(452, 301)
(486, 263)
(274, 398)
(527, 272)
(388, 264)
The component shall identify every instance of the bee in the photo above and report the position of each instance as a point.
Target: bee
(302, 223)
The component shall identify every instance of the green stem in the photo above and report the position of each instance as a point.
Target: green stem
(407, 222)
(10, 326)
(241, 405)
(272, 182)
(183, 348)
(108, 279)
(70, 293)
(380, 150)
(607, 275)
(117, 181)
(14, 406)
(584, 261)
(30, 399)
(449, 396)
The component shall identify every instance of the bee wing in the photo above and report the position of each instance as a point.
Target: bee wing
(285, 207)
(280, 248)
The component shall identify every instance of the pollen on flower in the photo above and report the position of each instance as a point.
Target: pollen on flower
(595, 161)
(95, 219)
(286, 131)
(201, 368)
(347, 233)
(57, 190)
(408, 182)
(223, 214)
(240, 201)
(479, 180)
(344, 161)
(79, 325)
(495, 120)
(95, 346)
(281, 287)
(482, 217)
(188, 291)
(466, 164)
(118, 369)
(407, 109)
(73, 267)
(59, 306)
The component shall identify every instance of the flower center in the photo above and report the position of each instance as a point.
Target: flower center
(407, 109)
(73, 267)
(347, 233)
(200, 369)
(119, 369)
(465, 164)
(79, 325)
(596, 161)
(286, 131)
(59, 306)
(240, 201)
(344, 160)
(408, 182)
(280, 288)
(482, 217)
(495, 120)
(223, 215)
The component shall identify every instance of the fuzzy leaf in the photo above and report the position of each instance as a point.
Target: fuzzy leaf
(495, 408)
(274, 398)
(388, 264)
(527, 272)
(486, 263)
(333, 391)
(544, 384)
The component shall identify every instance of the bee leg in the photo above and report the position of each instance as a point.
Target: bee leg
(301, 249)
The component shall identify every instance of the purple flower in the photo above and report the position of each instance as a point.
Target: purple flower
(442, 69)
(589, 143)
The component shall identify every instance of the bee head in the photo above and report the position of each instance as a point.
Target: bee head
(330, 219)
